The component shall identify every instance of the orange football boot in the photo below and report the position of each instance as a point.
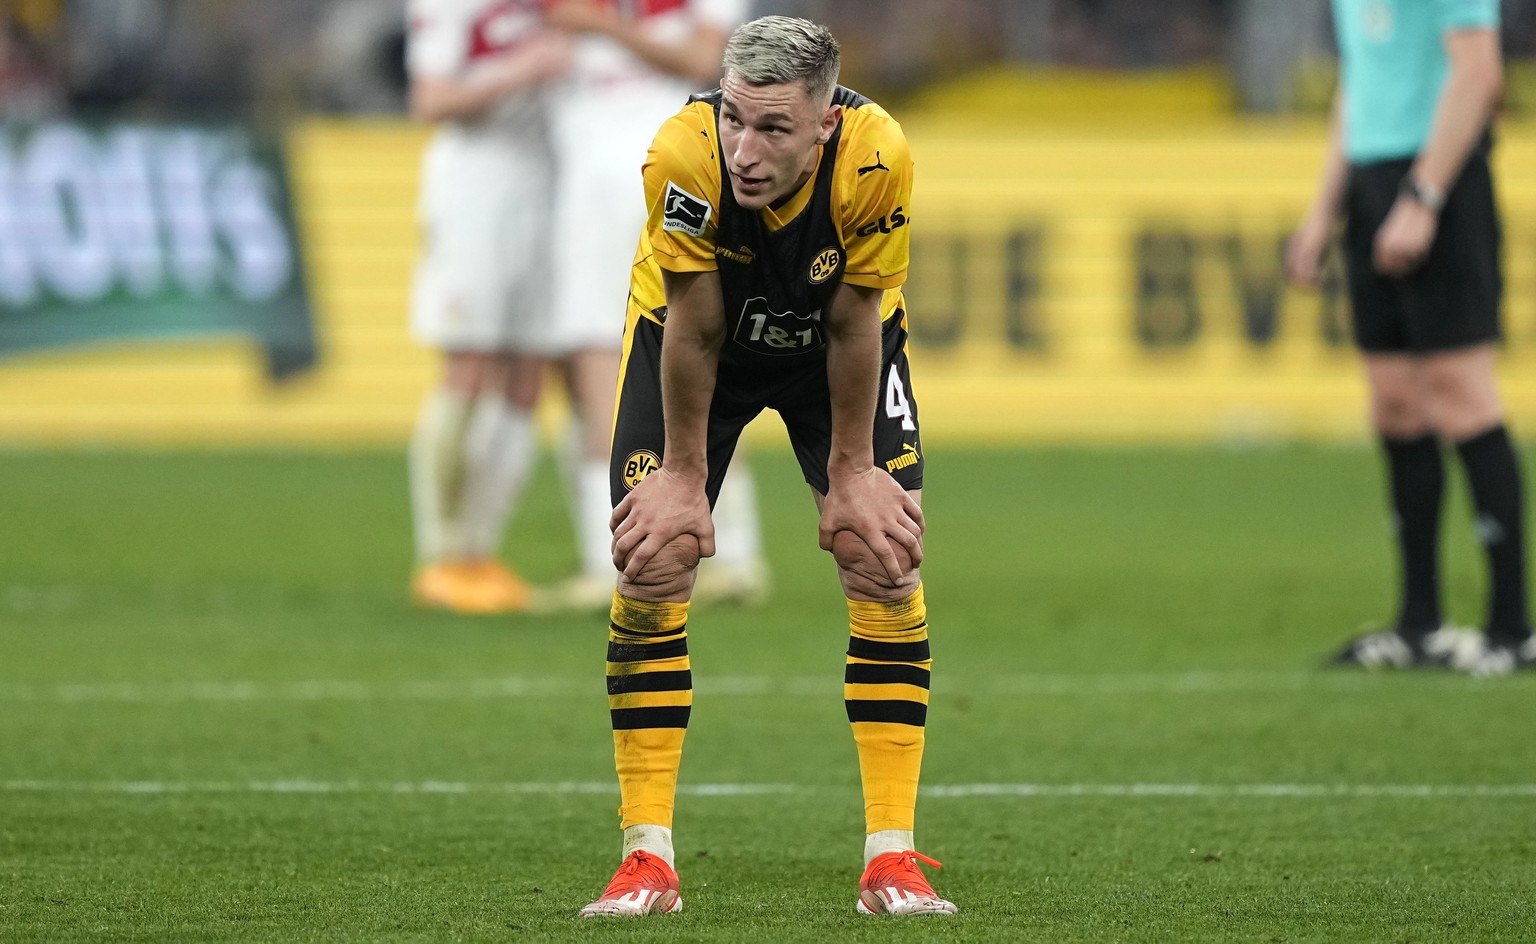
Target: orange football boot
(644, 884)
(475, 587)
(893, 884)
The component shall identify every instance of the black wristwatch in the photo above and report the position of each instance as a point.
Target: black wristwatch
(1429, 197)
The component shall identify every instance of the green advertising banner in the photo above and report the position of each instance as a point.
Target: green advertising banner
(149, 231)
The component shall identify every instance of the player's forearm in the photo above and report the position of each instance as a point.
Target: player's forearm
(688, 372)
(690, 360)
(853, 382)
(854, 392)
(439, 98)
(1329, 199)
(1466, 106)
(696, 59)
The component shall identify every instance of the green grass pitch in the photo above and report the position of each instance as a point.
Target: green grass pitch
(220, 720)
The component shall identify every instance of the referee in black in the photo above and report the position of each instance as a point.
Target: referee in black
(1408, 167)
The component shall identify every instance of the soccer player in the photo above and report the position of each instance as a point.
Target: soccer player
(1408, 166)
(769, 276)
(481, 284)
(631, 65)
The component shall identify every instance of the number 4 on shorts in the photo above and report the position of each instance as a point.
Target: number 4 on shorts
(896, 405)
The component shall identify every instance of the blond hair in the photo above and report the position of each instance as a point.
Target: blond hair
(778, 50)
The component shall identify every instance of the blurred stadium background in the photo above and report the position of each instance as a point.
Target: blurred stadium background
(221, 719)
(1104, 188)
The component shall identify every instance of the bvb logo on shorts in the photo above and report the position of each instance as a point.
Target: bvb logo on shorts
(825, 265)
(638, 466)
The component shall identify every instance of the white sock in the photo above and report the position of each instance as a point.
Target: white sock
(436, 462)
(501, 445)
(738, 538)
(592, 511)
(880, 842)
(657, 840)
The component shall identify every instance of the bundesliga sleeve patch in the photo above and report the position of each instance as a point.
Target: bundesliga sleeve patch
(684, 212)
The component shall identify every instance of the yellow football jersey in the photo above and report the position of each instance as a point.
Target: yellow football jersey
(849, 222)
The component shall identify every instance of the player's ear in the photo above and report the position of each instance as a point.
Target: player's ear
(829, 119)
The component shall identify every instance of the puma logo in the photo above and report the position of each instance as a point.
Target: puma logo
(908, 456)
(873, 167)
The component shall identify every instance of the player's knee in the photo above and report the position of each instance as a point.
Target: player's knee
(863, 575)
(1399, 412)
(668, 575)
(1465, 402)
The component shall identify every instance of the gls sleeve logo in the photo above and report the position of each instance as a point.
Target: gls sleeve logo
(897, 220)
(683, 212)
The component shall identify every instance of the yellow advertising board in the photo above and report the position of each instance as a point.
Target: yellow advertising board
(1090, 284)
(1128, 286)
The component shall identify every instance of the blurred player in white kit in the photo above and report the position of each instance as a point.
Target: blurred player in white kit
(634, 63)
(478, 69)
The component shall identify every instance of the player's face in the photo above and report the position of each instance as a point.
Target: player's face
(771, 135)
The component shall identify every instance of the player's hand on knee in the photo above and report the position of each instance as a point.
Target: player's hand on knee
(668, 575)
(661, 509)
(872, 506)
(864, 575)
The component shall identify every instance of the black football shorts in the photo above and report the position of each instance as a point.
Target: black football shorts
(747, 384)
(1452, 299)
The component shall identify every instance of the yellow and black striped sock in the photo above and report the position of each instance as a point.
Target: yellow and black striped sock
(885, 689)
(650, 693)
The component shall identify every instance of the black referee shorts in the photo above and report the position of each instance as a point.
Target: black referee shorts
(1452, 299)
(747, 384)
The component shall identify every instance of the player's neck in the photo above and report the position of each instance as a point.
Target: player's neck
(806, 179)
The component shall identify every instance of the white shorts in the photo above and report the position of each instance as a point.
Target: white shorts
(482, 279)
(599, 216)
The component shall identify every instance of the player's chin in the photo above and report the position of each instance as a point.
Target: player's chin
(750, 197)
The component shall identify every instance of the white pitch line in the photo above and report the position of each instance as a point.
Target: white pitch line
(936, 791)
(1303, 790)
(511, 687)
